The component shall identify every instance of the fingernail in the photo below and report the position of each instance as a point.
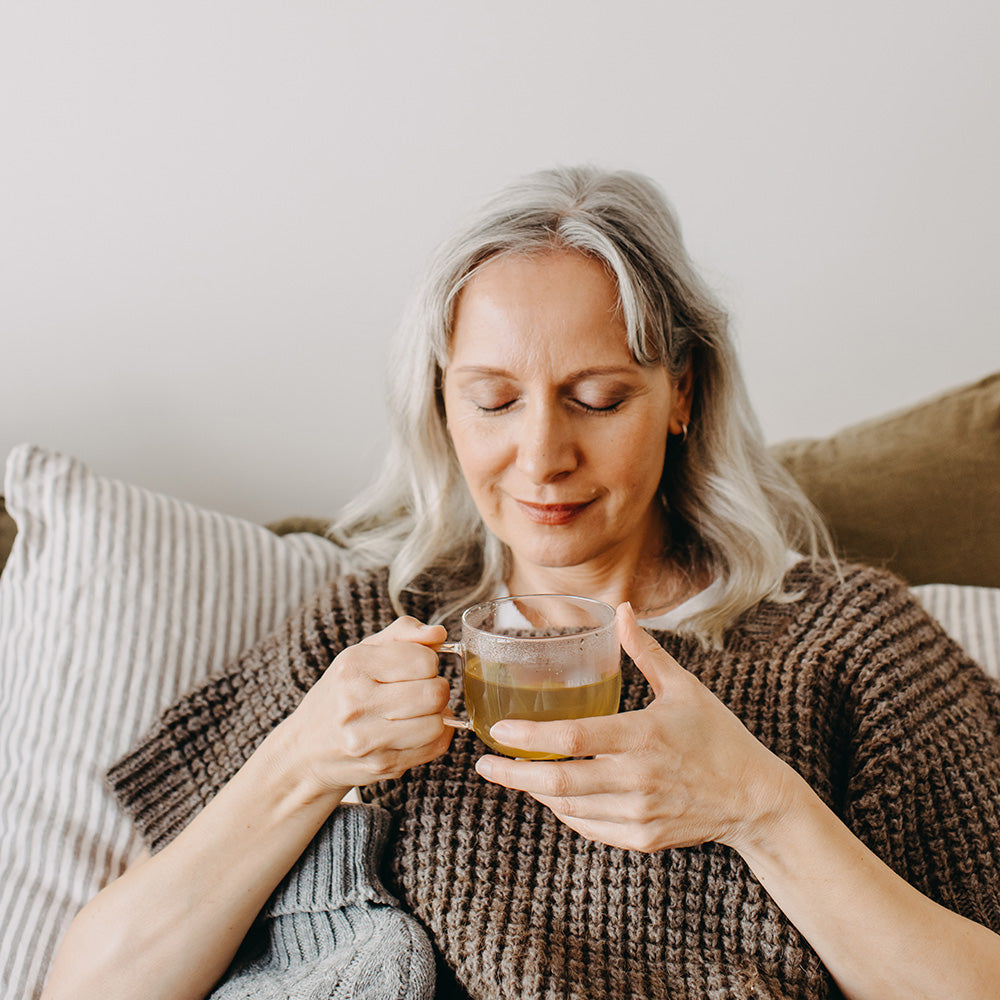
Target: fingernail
(484, 767)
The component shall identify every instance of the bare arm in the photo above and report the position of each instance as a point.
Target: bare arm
(878, 936)
(170, 926)
(685, 771)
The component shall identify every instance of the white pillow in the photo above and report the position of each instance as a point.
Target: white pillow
(970, 615)
(114, 601)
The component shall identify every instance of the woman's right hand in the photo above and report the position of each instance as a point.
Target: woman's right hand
(376, 711)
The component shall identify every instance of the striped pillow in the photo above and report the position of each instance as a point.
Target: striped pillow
(970, 615)
(114, 602)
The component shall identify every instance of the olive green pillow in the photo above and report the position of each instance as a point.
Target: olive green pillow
(299, 525)
(916, 491)
(7, 532)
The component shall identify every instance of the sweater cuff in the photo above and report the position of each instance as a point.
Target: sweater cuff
(154, 786)
(339, 868)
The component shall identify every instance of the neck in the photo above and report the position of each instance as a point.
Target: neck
(644, 576)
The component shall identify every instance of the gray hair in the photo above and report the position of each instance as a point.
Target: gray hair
(732, 510)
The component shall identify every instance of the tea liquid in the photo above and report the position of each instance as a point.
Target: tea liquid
(491, 695)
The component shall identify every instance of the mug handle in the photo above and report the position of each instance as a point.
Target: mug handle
(454, 649)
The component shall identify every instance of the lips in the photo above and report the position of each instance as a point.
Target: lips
(552, 513)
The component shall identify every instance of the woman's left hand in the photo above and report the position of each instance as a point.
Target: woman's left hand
(680, 772)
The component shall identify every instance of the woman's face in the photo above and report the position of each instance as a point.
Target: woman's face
(560, 433)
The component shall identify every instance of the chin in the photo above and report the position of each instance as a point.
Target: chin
(553, 546)
(557, 555)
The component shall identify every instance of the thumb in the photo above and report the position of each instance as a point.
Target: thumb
(656, 664)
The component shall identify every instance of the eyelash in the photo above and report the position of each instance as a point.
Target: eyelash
(600, 409)
(586, 407)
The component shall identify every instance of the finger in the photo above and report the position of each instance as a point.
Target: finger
(588, 737)
(602, 808)
(392, 760)
(613, 816)
(406, 735)
(396, 662)
(608, 832)
(408, 629)
(609, 816)
(553, 781)
(414, 699)
(656, 664)
(375, 740)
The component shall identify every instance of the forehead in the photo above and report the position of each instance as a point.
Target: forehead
(532, 305)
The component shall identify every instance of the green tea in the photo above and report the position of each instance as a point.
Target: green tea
(491, 695)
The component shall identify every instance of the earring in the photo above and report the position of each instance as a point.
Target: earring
(684, 432)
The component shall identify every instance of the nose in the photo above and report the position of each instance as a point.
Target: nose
(546, 445)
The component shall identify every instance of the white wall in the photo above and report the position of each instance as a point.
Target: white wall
(211, 212)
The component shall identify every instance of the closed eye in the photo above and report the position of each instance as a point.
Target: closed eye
(586, 407)
(499, 408)
(590, 408)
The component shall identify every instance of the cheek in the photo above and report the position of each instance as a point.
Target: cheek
(478, 456)
(635, 458)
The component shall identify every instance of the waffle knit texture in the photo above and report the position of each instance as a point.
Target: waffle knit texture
(331, 930)
(853, 684)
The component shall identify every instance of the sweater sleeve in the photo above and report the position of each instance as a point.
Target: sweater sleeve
(199, 743)
(923, 787)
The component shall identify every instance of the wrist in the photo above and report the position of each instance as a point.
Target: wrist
(285, 759)
(781, 797)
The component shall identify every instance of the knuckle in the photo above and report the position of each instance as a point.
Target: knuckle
(645, 786)
(441, 693)
(650, 644)
(354, 704)
(572, 739)
(564, 806)
(408, 661)
(349, 665)
(555, 785)
(643, 811)
(405, 623)
(385, 768)
(425, 661)
(355, 743)
(644, 841)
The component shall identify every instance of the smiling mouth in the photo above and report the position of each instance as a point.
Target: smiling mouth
(552, 513)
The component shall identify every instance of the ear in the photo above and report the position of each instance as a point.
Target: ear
(680, 410)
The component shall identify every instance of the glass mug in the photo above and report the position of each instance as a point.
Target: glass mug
(539, 657)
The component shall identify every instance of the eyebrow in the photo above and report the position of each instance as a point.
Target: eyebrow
(596, 370)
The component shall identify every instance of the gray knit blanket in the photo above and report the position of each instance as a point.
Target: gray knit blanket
(331, 931)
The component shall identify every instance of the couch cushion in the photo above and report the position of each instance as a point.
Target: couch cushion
(7, 532)
(918, 490)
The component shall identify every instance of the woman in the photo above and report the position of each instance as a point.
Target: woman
(800, 795)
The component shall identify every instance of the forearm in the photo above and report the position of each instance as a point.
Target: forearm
(879, 937)
(169, 927)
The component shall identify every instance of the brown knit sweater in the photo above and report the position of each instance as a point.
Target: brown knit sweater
(853, 685)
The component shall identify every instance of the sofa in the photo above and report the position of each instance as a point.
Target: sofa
(115, 600)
